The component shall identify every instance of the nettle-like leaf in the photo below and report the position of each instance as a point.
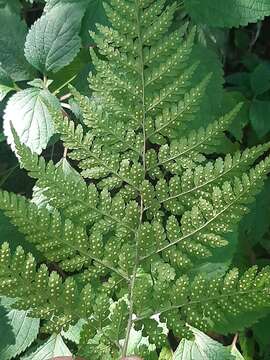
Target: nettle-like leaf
(24, 330)
(202, 348)
(53, 41)
(51, 349)
(94, 14)
(6, 83)
(27, 111)
(227, 14)
(12, 38)
(133, 228)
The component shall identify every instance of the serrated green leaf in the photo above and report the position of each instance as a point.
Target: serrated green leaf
(227, 13)
(7, 335)
(39, 194)
(30, 117)
(95, 14)
(13, 6)
(209, 64)
(25, 331)
(259, 117)
(235, 352)
(12, 38)
(53, 41)
(6, 83)
(52, 348)
(261, 333)
(73, 333)
(50, 4)
(201, 348)
(256, 223)
(230, 100)
(68, 170)
(260, 78)
(73, 74)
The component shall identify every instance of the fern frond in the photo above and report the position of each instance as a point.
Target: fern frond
(48, 297)
(212, 217)
(180, 152)
(180, 113)
(146, 201)
(69, 194)
(198, 182)
(54, 236)
(217, 303)
(175, 63)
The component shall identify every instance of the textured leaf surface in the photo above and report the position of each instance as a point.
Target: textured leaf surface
(53, 40)
(24, 329)
(256, 223)
(201, 348)
(235, 352)
(259, 117)
(6, 83)
(29, 114)
(51, 349)
(73, 333)
(227, 13)
(260, 79)
(261, 334)
(13, 6)
(94, 14)
(12, 38)
(50, 4)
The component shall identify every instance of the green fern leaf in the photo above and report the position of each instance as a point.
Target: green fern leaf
(149, 200)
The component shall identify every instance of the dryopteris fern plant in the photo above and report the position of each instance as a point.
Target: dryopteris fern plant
(147, 205)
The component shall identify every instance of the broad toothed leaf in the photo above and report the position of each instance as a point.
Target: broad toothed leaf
(53, 41)
(28, 113)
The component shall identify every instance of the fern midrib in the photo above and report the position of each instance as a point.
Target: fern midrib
(85, 253)
(177, 241)
(176, 85)
(189, 149)
(169, 64)
(41, 173)
(112, 171)
(201, 301)
(187, 105)
(135, 269)
(102, 163)
(110, 131)
(214, 179)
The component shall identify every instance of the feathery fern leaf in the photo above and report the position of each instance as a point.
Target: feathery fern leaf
(147, 203)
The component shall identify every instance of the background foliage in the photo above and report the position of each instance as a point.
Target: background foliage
(52, 38)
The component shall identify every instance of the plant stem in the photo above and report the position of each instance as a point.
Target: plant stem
(235, 339)
(65, 97)
(135, 269)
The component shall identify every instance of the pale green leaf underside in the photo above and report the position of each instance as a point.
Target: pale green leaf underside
(52, 348)
(28, 112)
(227, 13)
(53, 40)
(73, 333)
(50, 4)
(236, 353)
(201, 348)
(25, 331)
